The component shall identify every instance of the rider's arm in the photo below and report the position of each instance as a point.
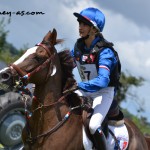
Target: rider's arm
(107, 61)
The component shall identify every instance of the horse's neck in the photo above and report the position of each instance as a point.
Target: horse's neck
(49, 92)
(46, 95)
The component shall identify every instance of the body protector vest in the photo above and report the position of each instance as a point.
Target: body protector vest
(87, 63)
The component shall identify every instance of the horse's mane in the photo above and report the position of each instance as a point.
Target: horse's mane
(67, 64)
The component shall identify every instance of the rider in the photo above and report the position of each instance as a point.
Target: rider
(98, 65)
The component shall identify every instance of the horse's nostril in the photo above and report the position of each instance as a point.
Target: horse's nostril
(5, 76)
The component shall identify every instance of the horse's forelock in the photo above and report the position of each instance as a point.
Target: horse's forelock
(59, 41)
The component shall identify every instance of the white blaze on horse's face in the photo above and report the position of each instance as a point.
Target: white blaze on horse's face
(29, 52)
(26, 54)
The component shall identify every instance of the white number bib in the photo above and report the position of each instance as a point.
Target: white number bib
(87, 71)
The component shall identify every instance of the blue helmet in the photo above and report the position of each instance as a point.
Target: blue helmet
(92, 17)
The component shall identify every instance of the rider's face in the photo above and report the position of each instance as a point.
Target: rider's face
(84, 29)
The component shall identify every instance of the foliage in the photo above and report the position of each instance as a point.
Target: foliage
(127, 82)
(3, 34)
(8, 53)
(141, 122)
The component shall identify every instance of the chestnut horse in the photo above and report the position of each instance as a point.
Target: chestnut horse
(147, 138)
(56, 121)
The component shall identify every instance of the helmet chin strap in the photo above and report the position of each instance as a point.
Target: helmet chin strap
(86, 37)
(89, 34)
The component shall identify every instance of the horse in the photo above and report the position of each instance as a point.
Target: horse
(56, 121)
(147, 138)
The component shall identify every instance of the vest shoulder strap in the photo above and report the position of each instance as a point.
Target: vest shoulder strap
(103, 44)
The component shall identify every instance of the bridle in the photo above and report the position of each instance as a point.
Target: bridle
(24, 77)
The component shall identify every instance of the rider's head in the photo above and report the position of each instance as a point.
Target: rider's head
(91, 17)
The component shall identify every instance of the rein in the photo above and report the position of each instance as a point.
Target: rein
(56, 127)
(31, 139)
(52, 104)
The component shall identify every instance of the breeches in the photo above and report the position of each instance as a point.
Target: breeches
(102, 101)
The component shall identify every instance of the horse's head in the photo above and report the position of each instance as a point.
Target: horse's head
(37, 59)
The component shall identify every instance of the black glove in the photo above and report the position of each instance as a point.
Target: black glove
(87, 103)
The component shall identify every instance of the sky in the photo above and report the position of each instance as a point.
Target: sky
(127, 26)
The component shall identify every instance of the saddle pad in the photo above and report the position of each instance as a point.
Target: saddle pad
(121, 134)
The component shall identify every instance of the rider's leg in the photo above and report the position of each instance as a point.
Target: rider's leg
(100, 140)
(102, 101)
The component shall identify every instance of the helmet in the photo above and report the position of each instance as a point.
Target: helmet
(92, 17)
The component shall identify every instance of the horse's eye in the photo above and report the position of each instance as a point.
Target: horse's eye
(37, 58)
(40, 59)
(40, 51)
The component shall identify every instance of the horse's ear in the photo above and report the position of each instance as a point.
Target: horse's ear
(53, 37)
(47, 36)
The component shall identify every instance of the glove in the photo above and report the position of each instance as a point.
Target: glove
(87, 104)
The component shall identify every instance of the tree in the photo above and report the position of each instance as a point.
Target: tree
(127, 82)
(8, 53)
(3, 34)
